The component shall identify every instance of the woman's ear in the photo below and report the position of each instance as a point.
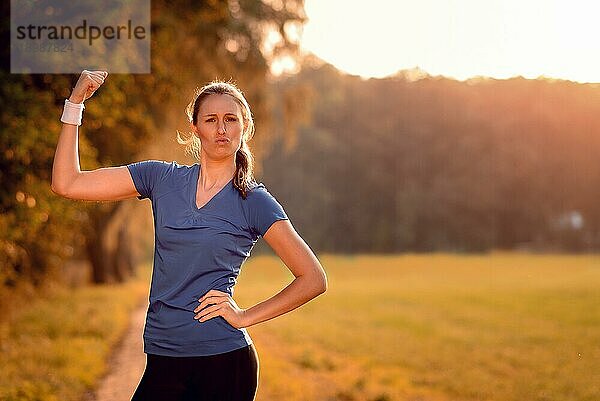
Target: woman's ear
(193, 127)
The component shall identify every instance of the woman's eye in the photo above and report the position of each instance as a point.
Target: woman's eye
(210, 120)
(231, 119)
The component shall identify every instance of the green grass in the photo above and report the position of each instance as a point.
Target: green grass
(55, 348)
(433, 327)
(501, 327)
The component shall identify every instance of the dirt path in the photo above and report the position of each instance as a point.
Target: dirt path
(127, 363)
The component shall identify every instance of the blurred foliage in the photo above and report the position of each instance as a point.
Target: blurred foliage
(36, 227)
(191, 43)
(396, 164)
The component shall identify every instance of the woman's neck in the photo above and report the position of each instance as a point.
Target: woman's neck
(216, 172)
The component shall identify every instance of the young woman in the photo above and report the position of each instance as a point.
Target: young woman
(207, 218)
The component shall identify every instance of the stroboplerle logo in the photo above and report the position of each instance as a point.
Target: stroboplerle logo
(67, 36)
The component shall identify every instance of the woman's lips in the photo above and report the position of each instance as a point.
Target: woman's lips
(222, 140)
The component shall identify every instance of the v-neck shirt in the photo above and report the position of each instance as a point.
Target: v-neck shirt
(197, 183)
(196, 250)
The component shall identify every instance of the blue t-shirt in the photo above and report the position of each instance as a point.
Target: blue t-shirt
(196, 250)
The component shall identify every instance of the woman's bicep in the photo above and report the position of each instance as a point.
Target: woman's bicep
(102, 184)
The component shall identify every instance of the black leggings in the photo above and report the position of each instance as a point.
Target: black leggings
(230, 376)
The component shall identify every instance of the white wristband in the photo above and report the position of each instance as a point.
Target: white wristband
(72, 113)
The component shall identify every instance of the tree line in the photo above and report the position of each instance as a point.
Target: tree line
(433, 164)
(380, 165)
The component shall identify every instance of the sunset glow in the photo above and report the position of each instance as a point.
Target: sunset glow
(457, 38)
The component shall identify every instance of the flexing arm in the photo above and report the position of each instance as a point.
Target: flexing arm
(107, 183)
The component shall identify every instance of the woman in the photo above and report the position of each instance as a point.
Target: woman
(207, 218)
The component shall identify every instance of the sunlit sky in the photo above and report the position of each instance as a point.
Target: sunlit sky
(458, 38)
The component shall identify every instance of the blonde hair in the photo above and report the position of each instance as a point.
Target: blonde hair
(244, 160)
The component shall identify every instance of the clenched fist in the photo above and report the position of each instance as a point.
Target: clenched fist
(87, 84)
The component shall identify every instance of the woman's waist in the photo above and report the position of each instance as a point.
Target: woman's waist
(166, 321)
(186, 294)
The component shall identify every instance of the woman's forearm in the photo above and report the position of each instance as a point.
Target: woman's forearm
(66, 158)
(301, 290)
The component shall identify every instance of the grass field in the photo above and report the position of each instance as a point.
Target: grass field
(501, 327)
(55, 347)
(433, 327)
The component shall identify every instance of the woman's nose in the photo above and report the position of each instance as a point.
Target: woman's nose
(221, 127)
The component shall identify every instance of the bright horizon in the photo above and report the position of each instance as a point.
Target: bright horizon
(458, 39)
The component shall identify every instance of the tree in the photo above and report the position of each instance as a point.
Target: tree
(192, 43)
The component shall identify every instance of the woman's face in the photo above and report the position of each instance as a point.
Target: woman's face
(220, 126)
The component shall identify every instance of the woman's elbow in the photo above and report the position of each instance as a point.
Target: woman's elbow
(63, 189)
(58, 189)
(321, 282)
(325, 285)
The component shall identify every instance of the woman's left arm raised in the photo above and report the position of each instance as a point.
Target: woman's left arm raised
(310, 281)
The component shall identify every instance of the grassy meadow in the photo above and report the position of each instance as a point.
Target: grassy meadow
(433, 327)
(55, 348)
(499, 327)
